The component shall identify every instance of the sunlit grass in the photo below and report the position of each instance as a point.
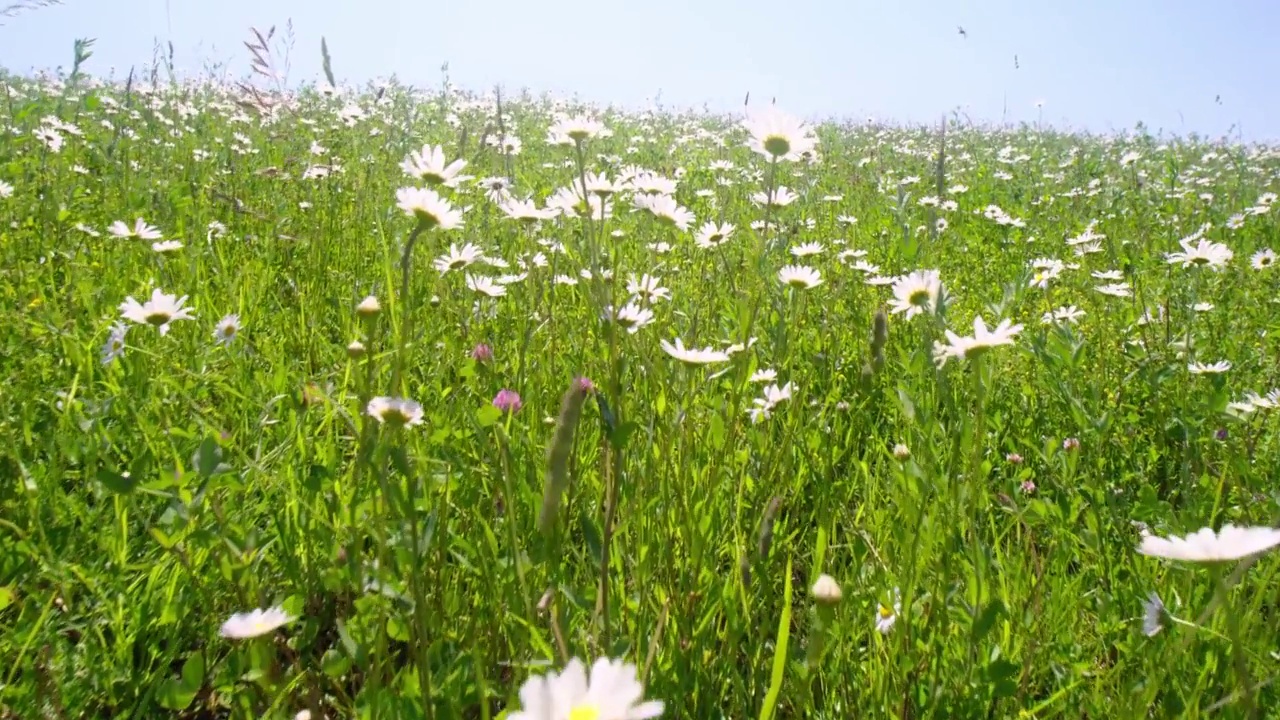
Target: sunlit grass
(379, 402)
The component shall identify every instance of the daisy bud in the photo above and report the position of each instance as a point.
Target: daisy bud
(879, 332)
(868, 373)
(901, 452)
(368, 307)
(765, 539)
(827, 594)
(558, 452)
(826, 590)
(355, 349)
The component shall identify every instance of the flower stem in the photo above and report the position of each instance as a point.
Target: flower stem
(406, 266)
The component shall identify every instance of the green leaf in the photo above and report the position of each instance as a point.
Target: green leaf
(983, 623)
(590, 535)
(207, 457)
(116, 482)
(397, 629)
(488, 415)
(334, 663)
(1000, 674)
(174, 696)
(348, 643)
(619, 437)
(165, 541)
(193, 673)
(779, 652)
(316, 476)
(606, 414)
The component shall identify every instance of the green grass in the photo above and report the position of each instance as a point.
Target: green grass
(146, 499)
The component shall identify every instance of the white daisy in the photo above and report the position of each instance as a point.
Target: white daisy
(1263, 259)
(601, 185)
(255, 623)
(782, 196)
(140, 230)
(114, 346)
(665, 208)
(1115, 290)
(612, 691)
(395, 411)
(573, 130)
(647, 288)
(226, 330)
(777, 135)
(429, 208)
(963, 348)
(1153, 614)
(485, 286)
(1217, 368)
(166, 247)
(568, 201)
(771, 396)
(917, 293)
(711, 235)
(887, 616)
(693, 356)
(428, 165)
(807, 249)
(800, 276)
(1064, 314)
(632, 317)
(1229, 543)
(525, 210)
(158, 312)
(1202, 253)
(458, 257)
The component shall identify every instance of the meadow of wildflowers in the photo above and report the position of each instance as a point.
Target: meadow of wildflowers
(385, 402)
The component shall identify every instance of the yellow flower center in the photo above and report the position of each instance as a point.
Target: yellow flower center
(919, 298)
(158, 318)
(585, 712)
(395, 416)
(777, 145)
(426, 217)
(886, 612)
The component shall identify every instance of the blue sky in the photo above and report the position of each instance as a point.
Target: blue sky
(1097, 64)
